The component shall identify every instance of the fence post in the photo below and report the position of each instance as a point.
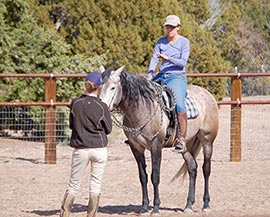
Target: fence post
(50, 121)
(236, 95)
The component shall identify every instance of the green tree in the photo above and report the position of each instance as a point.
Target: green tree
(28, 48)
(198, 9)
(224, 32)
(254, 35)
(126, 31)
(205, 57)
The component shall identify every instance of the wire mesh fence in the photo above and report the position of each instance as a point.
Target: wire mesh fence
(26, 126)
(28, 123)
(254, 133)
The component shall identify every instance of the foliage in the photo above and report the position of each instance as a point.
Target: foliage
(254, 35)
(27, 48)
(42, 36)
(126, 31)
(198, 9)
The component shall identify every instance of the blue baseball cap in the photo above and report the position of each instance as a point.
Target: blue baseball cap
(95, 78)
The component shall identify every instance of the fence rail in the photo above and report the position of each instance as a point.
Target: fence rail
(223, 102)
(51, 104)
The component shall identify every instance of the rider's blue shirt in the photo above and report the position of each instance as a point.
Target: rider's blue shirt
(178, 53)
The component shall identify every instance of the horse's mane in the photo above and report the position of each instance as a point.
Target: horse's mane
(106, 74)
(135, 87)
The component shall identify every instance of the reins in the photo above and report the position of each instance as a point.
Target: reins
(160, 104)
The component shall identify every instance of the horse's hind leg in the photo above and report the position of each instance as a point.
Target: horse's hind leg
(140, 159)
(207, 152)
(192, 171)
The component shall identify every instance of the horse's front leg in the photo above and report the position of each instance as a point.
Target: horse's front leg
(140, 159)
(192, 171)
(156, 154)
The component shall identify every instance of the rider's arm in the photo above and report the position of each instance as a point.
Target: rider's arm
(154, 61)
(185, 50)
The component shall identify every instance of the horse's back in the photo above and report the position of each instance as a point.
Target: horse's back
(207, 120)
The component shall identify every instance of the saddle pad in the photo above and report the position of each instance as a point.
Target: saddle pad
(190, 104)
(191, 108)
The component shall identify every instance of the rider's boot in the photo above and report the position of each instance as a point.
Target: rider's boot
(93, 205)
(66, 205)
(182, 124)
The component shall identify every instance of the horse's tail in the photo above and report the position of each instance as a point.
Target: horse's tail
(194, 151)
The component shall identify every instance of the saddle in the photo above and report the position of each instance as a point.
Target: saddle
(169, 100)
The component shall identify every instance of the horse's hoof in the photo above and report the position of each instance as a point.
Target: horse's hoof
(188, 210)
(207, 210)
(155, 214)
(144, 213)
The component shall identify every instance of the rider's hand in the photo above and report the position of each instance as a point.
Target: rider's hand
(162, 56)
(149, 77)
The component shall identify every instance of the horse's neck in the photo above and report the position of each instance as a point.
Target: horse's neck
(137, 114)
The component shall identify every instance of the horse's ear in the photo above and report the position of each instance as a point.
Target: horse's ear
(102, 69)
(116, 74)
(120, 69)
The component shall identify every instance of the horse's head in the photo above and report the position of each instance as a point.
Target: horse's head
(111, 91)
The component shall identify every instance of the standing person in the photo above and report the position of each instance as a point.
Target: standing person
(90, 122)
(173, 50)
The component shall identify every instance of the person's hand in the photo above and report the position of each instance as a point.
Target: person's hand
(162, 56)
(149, 77)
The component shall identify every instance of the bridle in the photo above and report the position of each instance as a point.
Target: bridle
(138, 130)
(111, 101)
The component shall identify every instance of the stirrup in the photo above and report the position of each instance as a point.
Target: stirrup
(179, 148)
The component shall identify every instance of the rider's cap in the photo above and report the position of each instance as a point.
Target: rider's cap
(95, 78)
(172, 20)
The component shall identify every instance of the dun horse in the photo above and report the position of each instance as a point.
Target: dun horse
(145, 124)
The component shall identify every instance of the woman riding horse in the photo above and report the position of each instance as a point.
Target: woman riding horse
(173, 50)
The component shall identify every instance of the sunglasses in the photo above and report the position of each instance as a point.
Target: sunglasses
(170, 27)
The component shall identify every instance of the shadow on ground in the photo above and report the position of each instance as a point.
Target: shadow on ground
(117, 209)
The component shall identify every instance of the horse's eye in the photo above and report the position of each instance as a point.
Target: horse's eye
(112, 88)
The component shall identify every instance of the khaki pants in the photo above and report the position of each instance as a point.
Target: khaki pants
(97, 158)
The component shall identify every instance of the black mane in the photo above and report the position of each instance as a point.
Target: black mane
(106, 74)
(136, 87)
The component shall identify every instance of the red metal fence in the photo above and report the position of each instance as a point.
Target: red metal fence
(51, 103)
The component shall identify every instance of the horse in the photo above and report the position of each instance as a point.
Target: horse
(145, 123)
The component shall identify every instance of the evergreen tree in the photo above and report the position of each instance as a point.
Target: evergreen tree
(27, 48)
(127, 31)
(254, 35)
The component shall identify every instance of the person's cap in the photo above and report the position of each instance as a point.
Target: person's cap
(172, 20)
(95, 78)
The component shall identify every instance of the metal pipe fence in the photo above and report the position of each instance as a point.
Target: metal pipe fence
(244, 120)
(255, 138)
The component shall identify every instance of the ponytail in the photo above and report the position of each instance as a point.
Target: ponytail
(90, 87)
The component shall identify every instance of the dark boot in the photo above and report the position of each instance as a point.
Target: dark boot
(66, 205)
(182, 124)
(93, 205)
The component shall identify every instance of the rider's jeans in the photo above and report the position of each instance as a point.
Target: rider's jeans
(178, 83)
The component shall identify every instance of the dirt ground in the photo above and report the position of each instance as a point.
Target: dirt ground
(30, 188)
